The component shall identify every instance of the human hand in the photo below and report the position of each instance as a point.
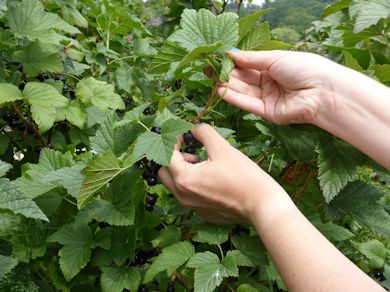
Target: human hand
(226, 188)
(281, 86)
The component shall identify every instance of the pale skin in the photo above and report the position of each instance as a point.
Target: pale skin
(285, 87)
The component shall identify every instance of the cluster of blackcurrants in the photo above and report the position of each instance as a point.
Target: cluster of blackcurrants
(150, 169)
(13, 121)
(150, 201)
(142, 256)
(192, 144)
(170, 287)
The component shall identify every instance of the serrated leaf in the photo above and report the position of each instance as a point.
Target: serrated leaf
(167, 236)
(124, 77)
(73, 16)
(9, 93)
(227, 66)
(202, 28)
(171, 258)
(370, 12)
(247, 23)
(334, 232)
(97, 174)
(98, 93)
(6, 265)
(12, 199)
(4, 168)
(250, 247)
(44, 100)
(240, 258)
(132, 115)
(246, 288)
(196, 53)
(331, 9)
(212, 234)
(159, 147)
(116, 279)
(375, 251)
(28, 19)
(76, 252)
(33, 183)
(382, 72)
(259, 35)
(50, 159)
(360, 200)
(104, 139)
(75, 114)
(337, 164)
(38, 57)
(168, 54)
(351, 62)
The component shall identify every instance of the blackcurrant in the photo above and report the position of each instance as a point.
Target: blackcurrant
(143, 288)
(7, 116)
(190, 140)
(141, 257)
(60, 78)
(190, 150)
(13, 123)
(153, 252)
(152, 181)
(103, 224)
(156, 129)
(149, 111)
(149, 207)
(151, 198)
(170, 287)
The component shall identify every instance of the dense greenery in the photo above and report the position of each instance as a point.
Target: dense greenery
(93, 94)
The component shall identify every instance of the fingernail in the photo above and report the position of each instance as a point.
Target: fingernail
(234, 49)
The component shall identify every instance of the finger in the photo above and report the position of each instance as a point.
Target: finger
(212, 141)
(259, 60)
(246, 75)
(165, 177)
(191, 158)
(244, 87)
(248, 103)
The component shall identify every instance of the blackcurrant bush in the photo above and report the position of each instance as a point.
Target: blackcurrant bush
(152, 181)
(156, 129)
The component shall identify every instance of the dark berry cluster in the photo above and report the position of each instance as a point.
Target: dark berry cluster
(238, 229)
(191, 143)
(149, 111)
(14, 122)
(171, 287)
(142, 256)
(150, 201)
(150, 170)
(143, 288)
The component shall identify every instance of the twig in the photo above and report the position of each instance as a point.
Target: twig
(30, 124)
(182, 280)
(239, 7)
(224, 6)
(298, 195)
(206, 108)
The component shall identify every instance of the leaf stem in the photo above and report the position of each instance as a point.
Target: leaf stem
(70, 202)
(143, 125)
(271, 162)
(221, 251)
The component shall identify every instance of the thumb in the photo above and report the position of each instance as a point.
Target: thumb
(258, 60)
(212, 141)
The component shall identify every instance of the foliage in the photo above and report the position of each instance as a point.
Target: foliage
(94, 93)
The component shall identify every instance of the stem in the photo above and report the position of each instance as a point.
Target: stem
(119, 59)
(206, 108)
(30, 124)
(70, 202)
(239, 7)
(224, 6)
(215, 7)
(143, 125)
(182, 280)
(270, 163)
(221, 251)
(298, 195)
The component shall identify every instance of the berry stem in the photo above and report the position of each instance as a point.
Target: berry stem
(143, 125)
(208, 105)
(30, 124)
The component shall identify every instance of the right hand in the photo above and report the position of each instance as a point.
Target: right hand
(281, 86)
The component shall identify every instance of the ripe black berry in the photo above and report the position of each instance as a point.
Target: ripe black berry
(6, 116)
(103, 224)
(171, 287)
(156, 129)
(60, 78)
(141, 257)
(143, 288)
(13, 123)
(190, 140)
(149, 207)
(190, 150)
(152, 181)
(153, 252)
(149, 111)
(151, 199)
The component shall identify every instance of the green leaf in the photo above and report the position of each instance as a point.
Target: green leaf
(50, 159)
(196, 53)
(77, 241)
(250, 247)
(361, 201)
(75, 114)
(9, 93)
(246, 288)
(12, 199)
(171, 258)
(202, 28)
(351, 62)
(167, 236)
(240, 258)
(97, 174)
(159, 147)
(104, 140)
(4, 168)
(132, 115)
(73, 16)
(259, 35)
(337, 164)
(375, 251)
(124, 77)
(247, 23)
(212, 234)
(38, 57)
(331, 9)
(168, 54)
(116, 279)
(44, 100)
(6, 265)
(382, 72)
(227, 66)
(334, 232)
(370, 12)
(28, 19)
(209, 271)
(98, 93)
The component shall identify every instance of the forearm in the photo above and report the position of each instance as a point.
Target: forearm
(306, 260)
(357, 110)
